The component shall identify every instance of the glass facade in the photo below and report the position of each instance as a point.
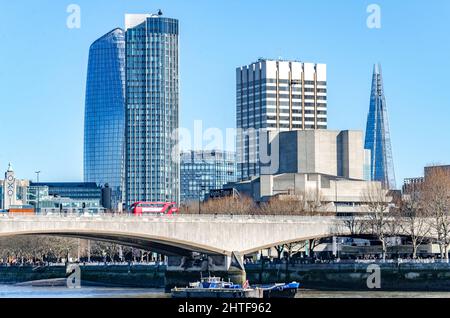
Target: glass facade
(43, 201)
(105, 113)
(202, 171)
(378, 139)
(88, 191)
(152, 98)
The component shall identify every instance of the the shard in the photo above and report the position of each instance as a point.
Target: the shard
(378, 138)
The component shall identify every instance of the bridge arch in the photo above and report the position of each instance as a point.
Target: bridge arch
(180, 235)
(162, 245)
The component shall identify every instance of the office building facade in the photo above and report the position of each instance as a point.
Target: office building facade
(276, 95)
(378, 138)
(104, 130)
(152, 99)
(81, 191)
(202, 171)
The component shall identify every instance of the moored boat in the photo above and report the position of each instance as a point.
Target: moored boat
(281, 290)
(215, 287)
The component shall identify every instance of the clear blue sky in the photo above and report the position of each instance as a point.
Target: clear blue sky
(43, 69)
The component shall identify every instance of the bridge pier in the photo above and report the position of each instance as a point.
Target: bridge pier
(182, 270)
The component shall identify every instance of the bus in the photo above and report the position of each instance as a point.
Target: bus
(159, 208)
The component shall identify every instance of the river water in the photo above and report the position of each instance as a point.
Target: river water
(10, 291)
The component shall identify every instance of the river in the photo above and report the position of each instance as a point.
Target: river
(11, 291)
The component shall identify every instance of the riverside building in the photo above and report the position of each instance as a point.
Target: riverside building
(276, 95)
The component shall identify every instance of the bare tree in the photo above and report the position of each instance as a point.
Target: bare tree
(228, 205)
(378, 219)
(313, 200)
(289, 205)
(36, 248)
(436, 200)
(413, 219)
(356, 225)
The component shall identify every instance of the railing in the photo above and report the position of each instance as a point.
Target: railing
(169, 218)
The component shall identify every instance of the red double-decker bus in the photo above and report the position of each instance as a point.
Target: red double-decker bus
(158, 208)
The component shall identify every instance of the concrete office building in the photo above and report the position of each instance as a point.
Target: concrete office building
(276, 95)
(330, 166)
(415, 184)
(152, 98)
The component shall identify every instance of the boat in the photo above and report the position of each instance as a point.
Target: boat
(215, 287)
(281, 290)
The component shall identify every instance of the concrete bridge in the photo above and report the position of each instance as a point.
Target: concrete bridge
(180, 235)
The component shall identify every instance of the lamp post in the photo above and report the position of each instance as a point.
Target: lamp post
(202, 188)
(38, 194)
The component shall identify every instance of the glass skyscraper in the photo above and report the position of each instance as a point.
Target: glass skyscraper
(202, 171)
(378, 139)
(104, 125)
(152, 159)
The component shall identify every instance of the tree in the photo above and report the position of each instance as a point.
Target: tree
(378, 219)
(436, 200)
(228, 205)
(413, 219)
(356, 225)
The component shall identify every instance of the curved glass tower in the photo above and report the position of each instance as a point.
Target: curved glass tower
(104, 125)
(378, 138)
(152, 160)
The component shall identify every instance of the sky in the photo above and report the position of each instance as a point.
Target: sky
(43, 66)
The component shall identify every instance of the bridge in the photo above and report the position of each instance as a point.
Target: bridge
(181, 234)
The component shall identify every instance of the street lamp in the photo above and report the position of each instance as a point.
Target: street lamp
(37, 178)
(202, 188)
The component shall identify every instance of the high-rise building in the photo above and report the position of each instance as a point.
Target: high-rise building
(378, 138)
(104, 125)
(276, 95)
(202, 171)
(152, 98)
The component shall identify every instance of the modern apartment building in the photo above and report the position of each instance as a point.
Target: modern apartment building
(152, 98)
(202, 171)
(378, 138)
(104, 124)
(276, 95)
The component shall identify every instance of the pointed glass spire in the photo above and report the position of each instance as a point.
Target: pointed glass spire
(378, 138)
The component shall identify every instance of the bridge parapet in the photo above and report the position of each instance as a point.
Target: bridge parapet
(210, 234)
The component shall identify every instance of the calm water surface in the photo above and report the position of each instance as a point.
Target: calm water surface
(10, 291)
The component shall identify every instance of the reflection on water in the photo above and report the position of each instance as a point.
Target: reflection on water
(10, 291)
(370, 294)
